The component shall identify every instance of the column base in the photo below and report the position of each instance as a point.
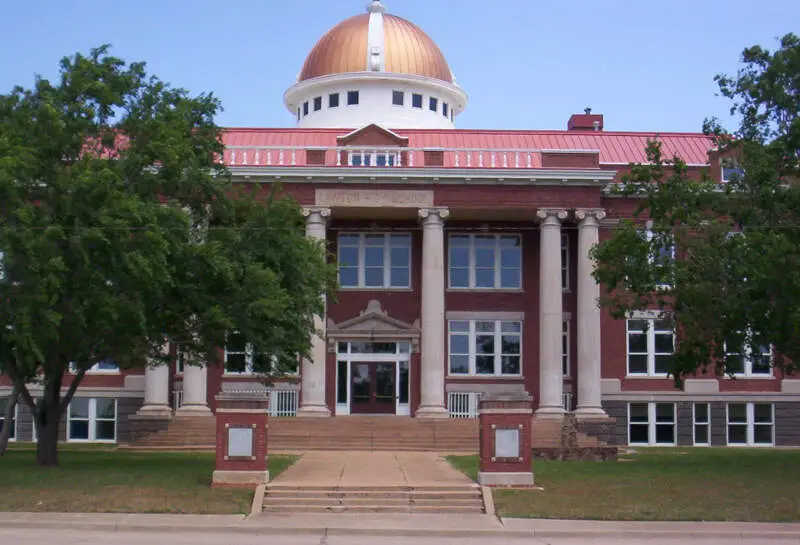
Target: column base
(549, 413)
(591, 413)
(193, 410)
(432, 412)
(155, 412)
(313, 411)
(238, 479)
(509, 478)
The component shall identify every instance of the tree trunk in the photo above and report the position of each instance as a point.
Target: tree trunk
(5, 434)
(47, 439)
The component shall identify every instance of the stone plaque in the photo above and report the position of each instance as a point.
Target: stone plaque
(506, 443)
(373, 198)
(240, 442)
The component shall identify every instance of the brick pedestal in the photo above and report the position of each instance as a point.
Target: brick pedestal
(505, 440)
(241, 460)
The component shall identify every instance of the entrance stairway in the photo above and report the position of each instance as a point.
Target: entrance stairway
(465, 499)
(371, 433)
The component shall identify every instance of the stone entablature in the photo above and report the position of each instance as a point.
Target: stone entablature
(373, 198)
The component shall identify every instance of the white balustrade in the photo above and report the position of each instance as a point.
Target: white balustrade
(463, 405)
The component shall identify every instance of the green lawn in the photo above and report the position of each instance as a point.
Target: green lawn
(106, 481)
(660, 484)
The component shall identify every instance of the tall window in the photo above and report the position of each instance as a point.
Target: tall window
(433, 104)
(445, 109)
(374, 260)
(317, 104)
(485, 347)
(751, 424)
(92, 419)
(651, 424)
(748, 360)
(485, 261)
(662, 255)
(398, 98)
(333, 100)
(565, 352)
(305, 108)
(352, 98)
(651, 344)
(564, 261)
(4, 401)
(416, 100)
(701, 418)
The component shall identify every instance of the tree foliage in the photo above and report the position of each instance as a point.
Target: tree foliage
(734, 284)
(120, 232)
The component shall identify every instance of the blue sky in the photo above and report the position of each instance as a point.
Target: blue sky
(526, 64)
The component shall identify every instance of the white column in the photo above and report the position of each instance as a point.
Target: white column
(589, 342)
(432, 342)
(156, 391)
(312, 373)
(195, 391)
(550, 315)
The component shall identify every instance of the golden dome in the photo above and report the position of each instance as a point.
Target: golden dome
(406, 50)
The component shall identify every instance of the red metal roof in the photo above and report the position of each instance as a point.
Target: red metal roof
(614, 147)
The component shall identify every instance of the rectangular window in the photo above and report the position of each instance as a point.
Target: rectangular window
(662, 255)
(701, 418)
(352, 98)
(651, 344)
(317, 104)
(485, 261)
(398, 98)
(565, 360)
(305, 109)
(242, 357)
(433, 104)
(485, 347)
(92, 419)
(751, 424)
(180, 360)
(651, 424)
(416, 100)
(564, 261)
(333, 100)
(374, 260)
(731, 171)
(4, 401)
(748, 360)
(106, 366)
(445, 109)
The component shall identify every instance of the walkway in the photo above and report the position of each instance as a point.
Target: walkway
(371, 469)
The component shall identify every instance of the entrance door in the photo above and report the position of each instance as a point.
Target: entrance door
(373, 388)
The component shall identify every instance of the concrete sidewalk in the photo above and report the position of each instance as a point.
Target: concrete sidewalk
(398, 525)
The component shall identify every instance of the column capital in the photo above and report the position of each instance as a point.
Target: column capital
(596, 214)
(434, 214)
(548, 215)
(321, 211)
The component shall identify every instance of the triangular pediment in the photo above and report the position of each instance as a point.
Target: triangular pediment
(372, 135)
(372, 320)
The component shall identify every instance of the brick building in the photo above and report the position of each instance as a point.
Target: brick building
(464, 267)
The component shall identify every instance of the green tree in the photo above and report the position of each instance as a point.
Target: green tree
(120, 232)
(734, 283)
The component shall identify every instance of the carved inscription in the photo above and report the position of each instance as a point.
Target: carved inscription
(373, 198)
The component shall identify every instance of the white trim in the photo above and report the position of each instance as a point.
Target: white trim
(361, 265)
(15, 431)
(750, 424)
(652, 423)
(706, 424)
(472, 267)
(651, 353)
(472, 354)
(92, 420)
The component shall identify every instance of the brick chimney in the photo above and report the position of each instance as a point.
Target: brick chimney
(587, 121)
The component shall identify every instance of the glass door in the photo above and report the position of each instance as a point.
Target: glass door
(372, 388)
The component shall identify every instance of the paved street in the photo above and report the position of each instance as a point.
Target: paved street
(74, 537)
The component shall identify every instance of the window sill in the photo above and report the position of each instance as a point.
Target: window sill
(98, 441)
(659, 375)
(98, 373)
(484, 377)
(749, 377)
(750, 445)
(399, 290)
(485, 290)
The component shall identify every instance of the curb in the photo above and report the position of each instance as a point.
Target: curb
(243, 527)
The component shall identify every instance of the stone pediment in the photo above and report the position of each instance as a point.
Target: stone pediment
(373, 323)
